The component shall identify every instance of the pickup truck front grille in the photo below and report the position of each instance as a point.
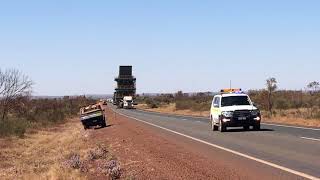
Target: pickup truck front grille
(241, 113)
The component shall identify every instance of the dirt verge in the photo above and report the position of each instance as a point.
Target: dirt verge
(66, 151)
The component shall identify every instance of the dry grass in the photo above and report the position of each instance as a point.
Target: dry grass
(40, 155)
(291, 118)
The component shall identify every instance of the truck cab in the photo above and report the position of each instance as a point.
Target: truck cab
(233, 108)
(127, 102)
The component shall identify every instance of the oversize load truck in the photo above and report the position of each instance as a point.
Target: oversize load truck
(92, 115)
(126, 86)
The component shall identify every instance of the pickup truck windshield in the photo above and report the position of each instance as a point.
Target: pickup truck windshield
(235, 101)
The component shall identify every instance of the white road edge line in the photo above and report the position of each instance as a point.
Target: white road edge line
(313, 139)
(229, 150)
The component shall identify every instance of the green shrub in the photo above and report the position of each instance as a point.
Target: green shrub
(317, 115)
(13, 127)
(183, 104)
(205, 106)
(193, 104)
(151, 103)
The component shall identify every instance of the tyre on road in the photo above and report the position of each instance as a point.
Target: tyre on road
(213, 126)
(246, 128)
(222, 127)
(257, 127)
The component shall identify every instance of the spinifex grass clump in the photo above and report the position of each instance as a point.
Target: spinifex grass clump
(111, 168)
(99, 152)
(73, 161)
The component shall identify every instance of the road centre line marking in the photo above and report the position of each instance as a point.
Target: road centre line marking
(229, 150)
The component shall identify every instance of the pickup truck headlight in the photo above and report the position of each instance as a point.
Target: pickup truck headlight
(227, 114)
(255, 112)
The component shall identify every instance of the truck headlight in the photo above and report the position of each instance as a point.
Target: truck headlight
(227, 114)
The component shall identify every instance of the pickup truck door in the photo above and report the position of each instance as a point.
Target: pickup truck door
(215, 109)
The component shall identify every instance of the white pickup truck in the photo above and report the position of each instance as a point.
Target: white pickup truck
(233, 108)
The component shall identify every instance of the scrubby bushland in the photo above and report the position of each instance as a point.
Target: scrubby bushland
(34, 113)
(293, 103)
(304, 104)
(196, 102)
(18, 111)
(156, 101)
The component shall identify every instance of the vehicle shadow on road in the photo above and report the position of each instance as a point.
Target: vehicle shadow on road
(250, 130)
(100, 127)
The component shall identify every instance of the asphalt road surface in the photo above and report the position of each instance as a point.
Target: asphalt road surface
(295, 150)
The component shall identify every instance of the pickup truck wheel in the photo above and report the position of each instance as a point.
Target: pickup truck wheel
(85, 127)
(222, 127)
(213, 126)
(246, 128)
(256, 127)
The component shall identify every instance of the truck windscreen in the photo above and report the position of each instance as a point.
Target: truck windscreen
(235, 101)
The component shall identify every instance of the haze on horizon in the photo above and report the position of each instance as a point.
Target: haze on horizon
(75, 47)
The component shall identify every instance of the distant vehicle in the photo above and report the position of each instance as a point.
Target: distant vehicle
(233, 108)
(92, 115)
(110, 100)
(104, 102)
(127, 102)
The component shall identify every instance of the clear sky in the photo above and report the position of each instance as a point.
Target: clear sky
(75, 47)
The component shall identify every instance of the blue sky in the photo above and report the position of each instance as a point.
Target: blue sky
(75, 47)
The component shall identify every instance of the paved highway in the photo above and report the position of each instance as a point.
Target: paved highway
(292, 149)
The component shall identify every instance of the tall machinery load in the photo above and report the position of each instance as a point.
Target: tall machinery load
(126, 85)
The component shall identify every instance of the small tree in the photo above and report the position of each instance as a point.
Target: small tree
(13, 84)
(271, 87)
(313, 86)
